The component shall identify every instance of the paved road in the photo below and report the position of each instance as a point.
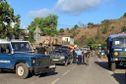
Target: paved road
(95, 73)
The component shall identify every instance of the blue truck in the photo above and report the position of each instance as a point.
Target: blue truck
(18, 56)
(116, 46)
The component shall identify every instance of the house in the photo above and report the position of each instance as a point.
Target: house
(67, 40)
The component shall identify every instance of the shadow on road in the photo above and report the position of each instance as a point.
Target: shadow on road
(103, 65)
(120, 77)
(48, 74)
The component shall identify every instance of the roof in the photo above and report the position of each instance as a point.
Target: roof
(4, 41)
(18, 41)
(117, 35)
(7, 41)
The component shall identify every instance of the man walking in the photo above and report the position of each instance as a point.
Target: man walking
(79, 55)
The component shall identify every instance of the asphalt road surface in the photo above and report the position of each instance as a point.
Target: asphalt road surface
(95, 73)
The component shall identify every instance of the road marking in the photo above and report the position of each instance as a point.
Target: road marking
(55, 81)
(65, 72)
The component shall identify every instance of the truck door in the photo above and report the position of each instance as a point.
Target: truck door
(6, 60)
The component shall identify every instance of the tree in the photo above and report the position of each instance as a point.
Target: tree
(105, 26)
(61, 30)
(124, 15)
(75, 27)
(48, 25)
(9, 23)
(123, 29)
(90, 24)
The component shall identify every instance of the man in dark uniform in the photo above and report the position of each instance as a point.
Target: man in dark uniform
(41, 49)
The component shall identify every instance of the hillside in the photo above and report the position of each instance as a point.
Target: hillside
(95, 34)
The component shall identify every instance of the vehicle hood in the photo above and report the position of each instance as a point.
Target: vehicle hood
(57, 55)
(29, 55)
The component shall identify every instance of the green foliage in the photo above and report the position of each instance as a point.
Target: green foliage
(90, 24)
(104, 30)
(90, 41)
(124, 15)
(123, 29)
(61, 30)
(31, 38)
(105, 26)
(48, 25)
(7, 17)
(75, 27)
(112, 27)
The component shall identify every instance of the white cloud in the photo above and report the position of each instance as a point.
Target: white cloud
(40, 13)
(76, 6)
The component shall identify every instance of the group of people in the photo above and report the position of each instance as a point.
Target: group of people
(81, 56)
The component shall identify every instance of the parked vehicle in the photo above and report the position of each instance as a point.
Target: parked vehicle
(116, 45)
(61, 56)
(18, 56)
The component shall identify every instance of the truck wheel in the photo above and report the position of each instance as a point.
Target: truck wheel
(22, 70)
(113, 66)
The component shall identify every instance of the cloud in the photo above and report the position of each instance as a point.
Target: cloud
(75, 6)
(40, 13)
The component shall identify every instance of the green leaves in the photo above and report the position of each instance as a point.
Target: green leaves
(7, 17)
(48, 25)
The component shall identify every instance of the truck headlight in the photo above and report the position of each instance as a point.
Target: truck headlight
(62, 57)
(33, 61)
(116, 53)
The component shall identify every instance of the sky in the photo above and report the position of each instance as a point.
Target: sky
(69, 12)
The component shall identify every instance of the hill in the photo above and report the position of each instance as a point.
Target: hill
(94, 34)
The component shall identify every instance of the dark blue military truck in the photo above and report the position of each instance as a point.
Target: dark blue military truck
(18, 56)
(116, 45)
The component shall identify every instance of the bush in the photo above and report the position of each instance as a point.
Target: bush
(123, 29)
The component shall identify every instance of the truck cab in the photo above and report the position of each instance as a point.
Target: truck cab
(116, 45)
(17, 55)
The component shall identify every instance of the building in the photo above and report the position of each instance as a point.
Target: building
(67, 40)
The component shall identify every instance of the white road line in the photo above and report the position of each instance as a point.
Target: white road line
(55, 81)
(65, 72)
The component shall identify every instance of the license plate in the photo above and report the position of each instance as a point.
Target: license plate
(52, 66)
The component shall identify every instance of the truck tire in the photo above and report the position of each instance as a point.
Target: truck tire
(22, 70)
(113, 66)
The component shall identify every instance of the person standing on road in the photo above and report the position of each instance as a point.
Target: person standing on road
(87, 57)
(41, 50)
(83, 57)
(79, 55)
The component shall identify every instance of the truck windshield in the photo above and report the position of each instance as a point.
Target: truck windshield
(119, 42)
(21, 47)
